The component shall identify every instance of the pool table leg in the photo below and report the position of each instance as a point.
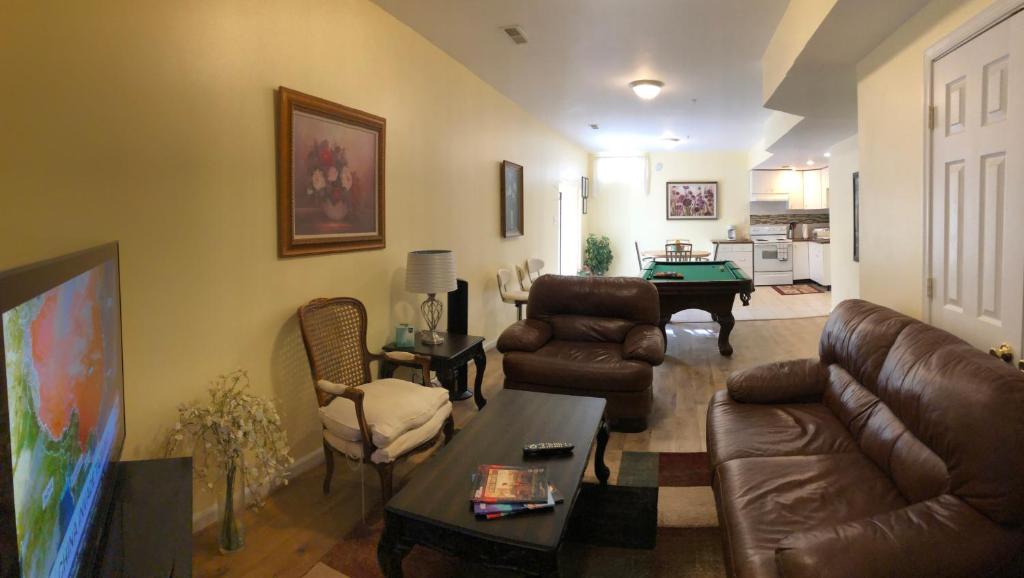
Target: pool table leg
(726, 322)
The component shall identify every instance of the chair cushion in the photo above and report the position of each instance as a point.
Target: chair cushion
(743, 430)
(763, 500)
(587, 365)
(410, 440)
(392, 407)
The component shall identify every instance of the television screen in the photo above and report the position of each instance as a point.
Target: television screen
(64, 403)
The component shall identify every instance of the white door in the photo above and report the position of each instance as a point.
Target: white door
(977, 189)
(569, 228)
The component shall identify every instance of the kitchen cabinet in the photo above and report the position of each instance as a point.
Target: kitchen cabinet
(740, 253)
(772, 185)
(819, 263)
(801, 260)
(800, 189)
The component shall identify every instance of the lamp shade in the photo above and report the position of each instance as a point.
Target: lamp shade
(430, 271)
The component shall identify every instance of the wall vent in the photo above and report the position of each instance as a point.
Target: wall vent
(515, 33)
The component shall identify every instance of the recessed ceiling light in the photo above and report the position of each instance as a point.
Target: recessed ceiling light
(810, 163)
(646, 89)
(828, 155)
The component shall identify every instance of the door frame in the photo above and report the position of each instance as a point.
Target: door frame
(998, 12)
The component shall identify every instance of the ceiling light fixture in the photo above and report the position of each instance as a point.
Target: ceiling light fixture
(646, 89)
(810, 163)
(828, 155)
(595, 126)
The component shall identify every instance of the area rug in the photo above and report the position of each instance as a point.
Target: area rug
(798, 289)
(612, 531)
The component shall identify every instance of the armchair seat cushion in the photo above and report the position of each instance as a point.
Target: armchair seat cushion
(392, 407)
(764, 500)
(594, 366)
(743, 430)
(401, 445)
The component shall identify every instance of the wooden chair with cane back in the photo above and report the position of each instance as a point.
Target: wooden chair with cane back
(374, 421)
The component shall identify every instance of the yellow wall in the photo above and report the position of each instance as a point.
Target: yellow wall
(154, 126)
(890, 96)
(625, 212)
(845, 272)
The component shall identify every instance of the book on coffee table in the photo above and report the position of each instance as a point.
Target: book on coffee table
(495, 484)
(494, 511)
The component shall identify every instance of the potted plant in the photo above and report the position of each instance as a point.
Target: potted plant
(597, 254)
(237, 435)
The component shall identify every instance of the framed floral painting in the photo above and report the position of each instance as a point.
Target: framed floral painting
(330, 163)
(691, 200)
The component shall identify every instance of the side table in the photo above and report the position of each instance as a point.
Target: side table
(449, 360)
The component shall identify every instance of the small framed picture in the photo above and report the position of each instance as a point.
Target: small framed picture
(511, 199)
(584, 192)
(691, 200)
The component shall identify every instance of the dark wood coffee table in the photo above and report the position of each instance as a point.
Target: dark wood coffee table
(433, 509)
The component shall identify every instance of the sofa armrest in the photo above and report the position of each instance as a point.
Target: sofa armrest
(525, 335)
(781, 382)
(942, 536)
(644, 343)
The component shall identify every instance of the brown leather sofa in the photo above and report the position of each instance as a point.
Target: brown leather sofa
(592, 336)
(900, 452)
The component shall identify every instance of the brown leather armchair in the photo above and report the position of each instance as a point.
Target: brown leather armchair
(896, 453)
(592, 336)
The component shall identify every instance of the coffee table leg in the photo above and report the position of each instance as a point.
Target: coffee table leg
(390, 550)
(480, 361)
(600, 469)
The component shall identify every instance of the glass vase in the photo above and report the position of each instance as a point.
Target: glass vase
(231, 537)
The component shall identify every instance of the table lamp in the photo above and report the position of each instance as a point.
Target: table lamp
(431, 272)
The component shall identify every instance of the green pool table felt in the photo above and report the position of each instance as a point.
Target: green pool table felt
(695, 271)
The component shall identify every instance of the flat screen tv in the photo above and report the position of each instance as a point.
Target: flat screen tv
(61, 412)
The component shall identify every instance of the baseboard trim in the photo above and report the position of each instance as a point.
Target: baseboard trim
(207, 516)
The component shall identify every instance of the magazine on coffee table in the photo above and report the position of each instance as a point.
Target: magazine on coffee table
(495, 484)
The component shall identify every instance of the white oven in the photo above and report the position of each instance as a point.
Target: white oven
(773, 255)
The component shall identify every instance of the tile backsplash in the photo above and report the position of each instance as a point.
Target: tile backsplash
(783, 218)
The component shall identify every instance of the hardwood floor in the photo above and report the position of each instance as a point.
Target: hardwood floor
(299, 524)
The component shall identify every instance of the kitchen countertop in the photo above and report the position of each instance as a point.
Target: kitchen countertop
(819, 241)
(731, 241)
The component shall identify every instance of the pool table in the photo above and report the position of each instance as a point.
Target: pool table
(711, 286)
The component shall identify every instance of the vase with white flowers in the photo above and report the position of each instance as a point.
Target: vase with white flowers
(238, 435)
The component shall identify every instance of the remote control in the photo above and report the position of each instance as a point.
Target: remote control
(547, 449)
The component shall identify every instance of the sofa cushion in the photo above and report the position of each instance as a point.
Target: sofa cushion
(739, 430)
(966, 407)
(858, 336)
(588, 328)
(764, 500)
(593, 366)
(629, 298)
(392, 407)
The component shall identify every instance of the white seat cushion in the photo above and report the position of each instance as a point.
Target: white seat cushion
(392, 407)
(400, 446)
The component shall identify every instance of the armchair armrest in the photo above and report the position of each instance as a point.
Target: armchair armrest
(644, 343)
(942, 536)
(356, 396)
(781, 382)
(525, 335)
(406, 359)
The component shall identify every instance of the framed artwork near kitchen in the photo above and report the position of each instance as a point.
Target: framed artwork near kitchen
(511, 199)
(330, 176)
(691, 200)
(584, 192)
(856, 217)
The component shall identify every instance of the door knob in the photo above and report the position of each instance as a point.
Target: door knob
(1004, 352)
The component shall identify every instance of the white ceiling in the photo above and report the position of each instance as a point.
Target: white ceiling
(582, 54)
